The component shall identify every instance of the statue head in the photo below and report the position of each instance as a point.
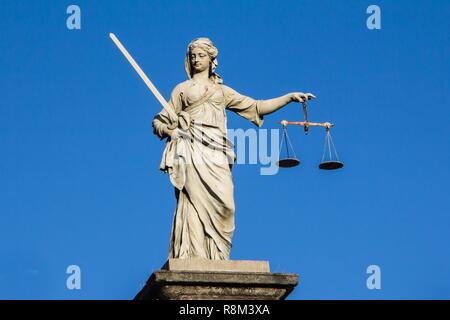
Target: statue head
(201, 53)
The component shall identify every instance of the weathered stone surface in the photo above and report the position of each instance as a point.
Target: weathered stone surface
(217, 285)
(216, 265)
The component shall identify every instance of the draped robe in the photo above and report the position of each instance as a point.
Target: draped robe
(199, 164)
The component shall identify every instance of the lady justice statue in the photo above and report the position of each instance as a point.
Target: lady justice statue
(198, 156)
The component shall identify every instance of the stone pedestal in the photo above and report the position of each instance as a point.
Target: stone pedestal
(217, 280)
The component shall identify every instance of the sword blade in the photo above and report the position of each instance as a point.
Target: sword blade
(144, 77)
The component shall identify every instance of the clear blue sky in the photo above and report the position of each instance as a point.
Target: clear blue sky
(79, 178)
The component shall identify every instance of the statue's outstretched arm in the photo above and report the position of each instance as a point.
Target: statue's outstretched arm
(268, 106)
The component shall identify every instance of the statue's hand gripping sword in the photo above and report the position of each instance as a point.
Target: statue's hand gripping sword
(147, 81)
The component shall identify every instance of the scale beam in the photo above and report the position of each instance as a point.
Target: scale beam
(307, 124)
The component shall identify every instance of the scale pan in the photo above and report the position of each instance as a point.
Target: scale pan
(331, 165)
(288, 162)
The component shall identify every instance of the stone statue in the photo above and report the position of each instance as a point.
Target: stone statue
(198, 156)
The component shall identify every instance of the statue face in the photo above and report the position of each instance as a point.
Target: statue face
(200, 60)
